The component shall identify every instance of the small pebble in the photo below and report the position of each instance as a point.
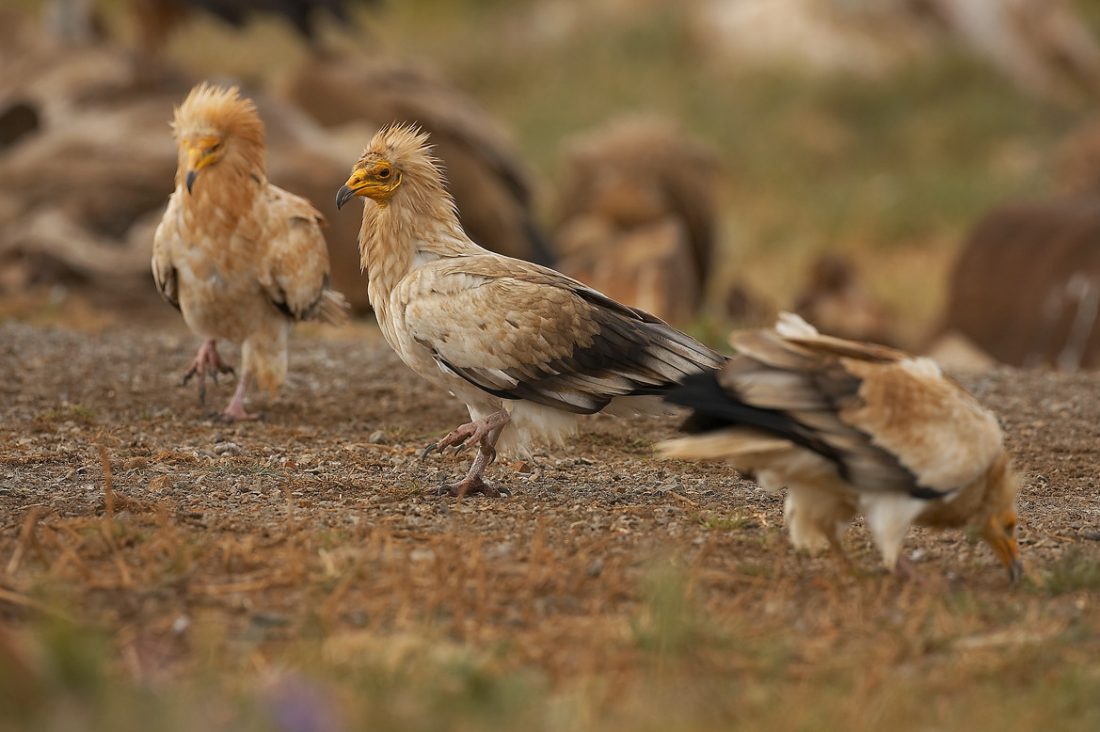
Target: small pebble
(268, 620)
(669, 486)
(378, 437)
(1091, 535)
(503, 550)
(227, 448)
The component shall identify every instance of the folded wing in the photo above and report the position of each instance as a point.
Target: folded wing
(295, 272)
(164, 269)
(520, 331)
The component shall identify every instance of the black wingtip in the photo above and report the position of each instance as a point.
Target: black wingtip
(715, 407)
(697, 391)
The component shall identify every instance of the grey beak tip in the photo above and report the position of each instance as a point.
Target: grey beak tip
(342, 196)
(191, 175)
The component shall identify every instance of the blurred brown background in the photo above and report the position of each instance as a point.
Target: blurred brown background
(712, 160)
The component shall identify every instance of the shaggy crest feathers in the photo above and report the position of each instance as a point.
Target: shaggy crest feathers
(216, 110)
(420, 204)
(401, 141)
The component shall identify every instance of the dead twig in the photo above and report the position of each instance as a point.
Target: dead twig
(107, 528)
(26, 536)
(14, 598)
(108, 482)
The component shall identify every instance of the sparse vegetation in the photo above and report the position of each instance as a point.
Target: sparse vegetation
(734, 522)
(1074, 572)
(311, 583)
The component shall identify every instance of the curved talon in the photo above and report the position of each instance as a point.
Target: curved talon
(429, 450)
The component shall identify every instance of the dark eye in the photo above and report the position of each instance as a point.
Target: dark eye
(384, 173)
(214, 148)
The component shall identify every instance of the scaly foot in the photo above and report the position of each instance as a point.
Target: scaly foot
(469, 485)
(479, 432)
(207, 361)
(484, 433)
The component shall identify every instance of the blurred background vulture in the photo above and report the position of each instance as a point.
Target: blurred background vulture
(636, 216)
(156, 19)
(837, 302)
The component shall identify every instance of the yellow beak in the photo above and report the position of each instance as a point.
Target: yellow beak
(198, 158)
(351, 188)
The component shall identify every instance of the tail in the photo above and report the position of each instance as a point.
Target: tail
(332, 308)
(716, 409)
(720, 426)
(727, 444)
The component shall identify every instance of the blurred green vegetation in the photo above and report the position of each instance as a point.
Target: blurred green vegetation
(934, 667)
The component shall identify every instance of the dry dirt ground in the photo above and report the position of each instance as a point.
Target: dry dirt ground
(642, 593)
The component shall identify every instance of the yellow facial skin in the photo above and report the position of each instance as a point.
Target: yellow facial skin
(376, 180)
(202, 152)
(1000, 533)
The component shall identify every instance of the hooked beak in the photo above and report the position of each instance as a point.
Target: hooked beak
(198, 157)
(343, 195)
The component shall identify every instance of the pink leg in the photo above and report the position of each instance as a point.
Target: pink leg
(484, 432)
(236, 412)
(206, 361)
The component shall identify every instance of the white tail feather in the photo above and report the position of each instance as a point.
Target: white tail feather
(790, 325)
